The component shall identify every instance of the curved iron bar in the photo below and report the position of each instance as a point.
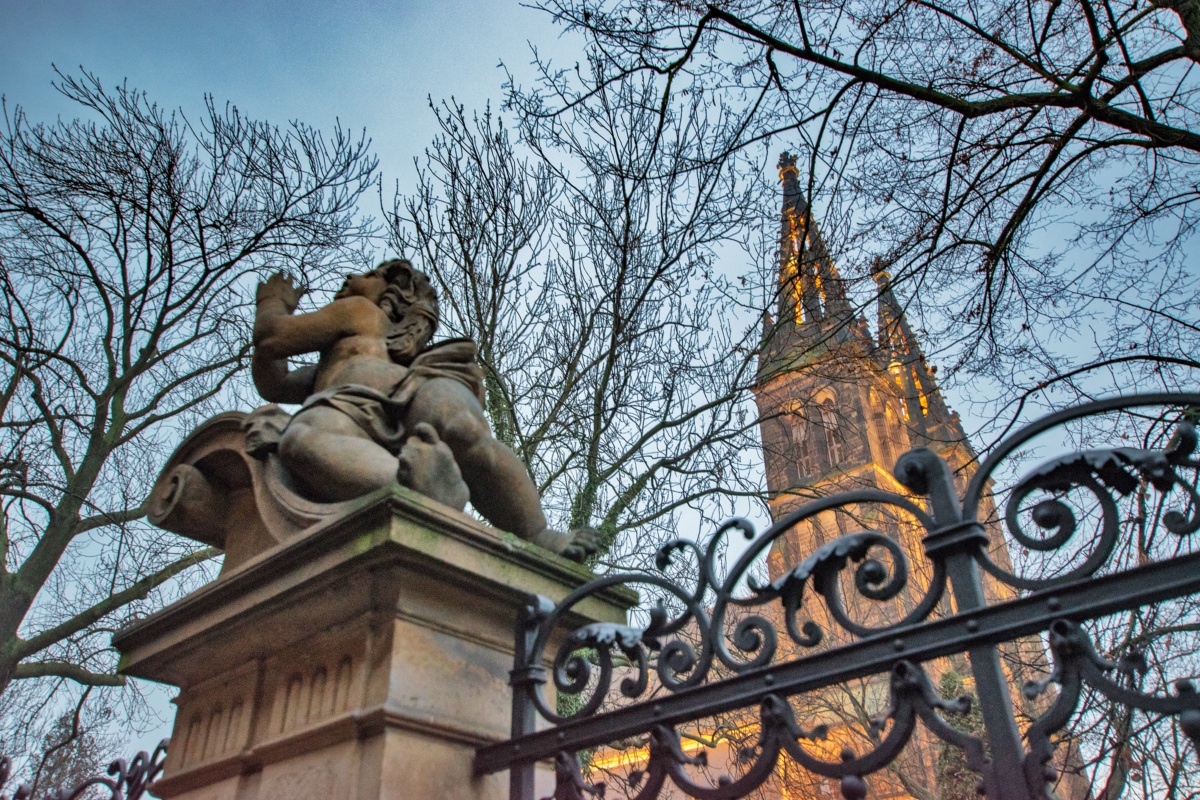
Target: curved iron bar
(871, 579)
(584, 662)
(127, 780)
(572, 671)
(975, 489)
(1100, 472)
(1076, 664)
(568, 780)
(913, 698)
(1057, 515)
(822, 568)
(727, 788)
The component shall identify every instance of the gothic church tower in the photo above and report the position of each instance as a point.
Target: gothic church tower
(837, 404)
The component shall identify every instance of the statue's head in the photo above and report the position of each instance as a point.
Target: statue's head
(407, 290)
(410, 301)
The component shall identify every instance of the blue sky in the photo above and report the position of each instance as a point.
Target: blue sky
(369, 63)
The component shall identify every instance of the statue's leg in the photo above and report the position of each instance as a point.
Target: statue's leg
(501, 489)
(332, 458)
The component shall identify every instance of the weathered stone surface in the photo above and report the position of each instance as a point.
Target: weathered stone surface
(383, 403)
(366, 657)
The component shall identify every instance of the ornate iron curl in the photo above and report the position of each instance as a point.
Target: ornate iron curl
(1100, 473)
(871, 578)
(587, 661)
(568, 780)
(127, 780)
(573, 663)
(1077, 663)
(913, 698)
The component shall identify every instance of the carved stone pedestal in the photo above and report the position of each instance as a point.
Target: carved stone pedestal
(365, 658)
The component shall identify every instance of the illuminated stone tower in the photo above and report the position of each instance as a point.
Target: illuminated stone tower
(837, 404)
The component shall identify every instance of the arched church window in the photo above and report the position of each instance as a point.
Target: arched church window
(832, 433)
(801, 447)
(781, 467)
(897, 431)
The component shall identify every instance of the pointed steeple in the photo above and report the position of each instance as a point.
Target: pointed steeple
(900, 354)
(811, 290)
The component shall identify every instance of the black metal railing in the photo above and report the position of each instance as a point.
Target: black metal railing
(126, 780)
(734, 644)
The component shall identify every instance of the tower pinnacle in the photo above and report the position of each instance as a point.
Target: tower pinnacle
(836, 398)
(811, 289)
(900, 354)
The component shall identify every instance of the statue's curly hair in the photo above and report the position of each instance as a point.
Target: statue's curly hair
(411, 303)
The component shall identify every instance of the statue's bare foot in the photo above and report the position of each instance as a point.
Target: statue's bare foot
(427, 467)
(584, 542)
(576, 545)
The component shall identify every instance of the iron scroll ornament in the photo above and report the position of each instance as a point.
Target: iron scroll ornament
(126, 780)
(754, 639)
(1102, 473)
(726, 670)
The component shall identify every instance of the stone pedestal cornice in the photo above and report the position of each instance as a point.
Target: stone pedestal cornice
(365, 658)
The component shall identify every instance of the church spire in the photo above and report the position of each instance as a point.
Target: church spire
(811, 290)
(900, 354)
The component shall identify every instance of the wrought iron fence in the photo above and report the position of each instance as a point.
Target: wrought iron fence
(126, 780)
(709, 648)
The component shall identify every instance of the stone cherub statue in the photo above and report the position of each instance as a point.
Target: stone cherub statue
(382, 404)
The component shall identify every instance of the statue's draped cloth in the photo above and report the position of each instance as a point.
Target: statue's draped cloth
(381, 414)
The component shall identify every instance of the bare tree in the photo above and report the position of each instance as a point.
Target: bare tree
(583, 261)
(75, 749)
(1027, 171)
(128, 238)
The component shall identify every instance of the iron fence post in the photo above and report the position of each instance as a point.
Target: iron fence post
(523, 678)
(957, 540)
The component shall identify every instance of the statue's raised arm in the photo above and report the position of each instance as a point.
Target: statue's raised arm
(276, 300)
